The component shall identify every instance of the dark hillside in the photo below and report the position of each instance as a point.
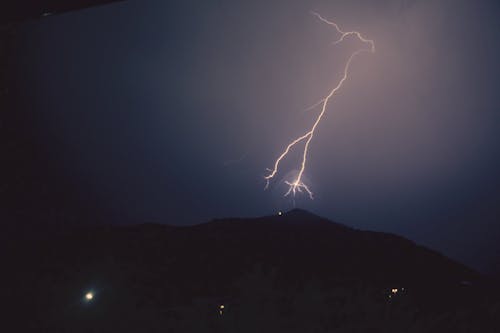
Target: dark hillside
(160, 274)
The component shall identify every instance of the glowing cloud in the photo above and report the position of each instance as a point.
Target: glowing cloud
(297, 185)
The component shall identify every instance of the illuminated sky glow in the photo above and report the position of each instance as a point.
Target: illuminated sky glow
(297, 185)
(130, 112)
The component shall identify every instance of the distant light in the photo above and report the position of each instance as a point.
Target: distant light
(394, 290)
(89, 296)
(280, 213)
(222, 306)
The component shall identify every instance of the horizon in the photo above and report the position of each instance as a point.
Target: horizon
(279, 215)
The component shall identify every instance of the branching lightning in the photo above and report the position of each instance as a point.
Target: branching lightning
(297, 185)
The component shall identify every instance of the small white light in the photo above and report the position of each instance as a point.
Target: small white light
(89, 296)
(280, 213)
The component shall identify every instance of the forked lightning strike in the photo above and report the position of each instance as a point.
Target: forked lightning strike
(298, 185)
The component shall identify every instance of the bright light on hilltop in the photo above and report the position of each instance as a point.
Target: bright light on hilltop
(89, 296)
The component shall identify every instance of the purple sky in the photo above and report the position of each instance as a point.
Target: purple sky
(148, 111)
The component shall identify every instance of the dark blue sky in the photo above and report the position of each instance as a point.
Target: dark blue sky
(154, 111)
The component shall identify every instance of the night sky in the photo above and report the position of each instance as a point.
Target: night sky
(150, 111)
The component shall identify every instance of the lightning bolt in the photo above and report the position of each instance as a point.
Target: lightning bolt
(297, 185)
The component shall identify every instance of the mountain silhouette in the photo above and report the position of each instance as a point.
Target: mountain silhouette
(161, 269)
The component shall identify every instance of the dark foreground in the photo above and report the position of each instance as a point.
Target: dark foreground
(290, 273)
